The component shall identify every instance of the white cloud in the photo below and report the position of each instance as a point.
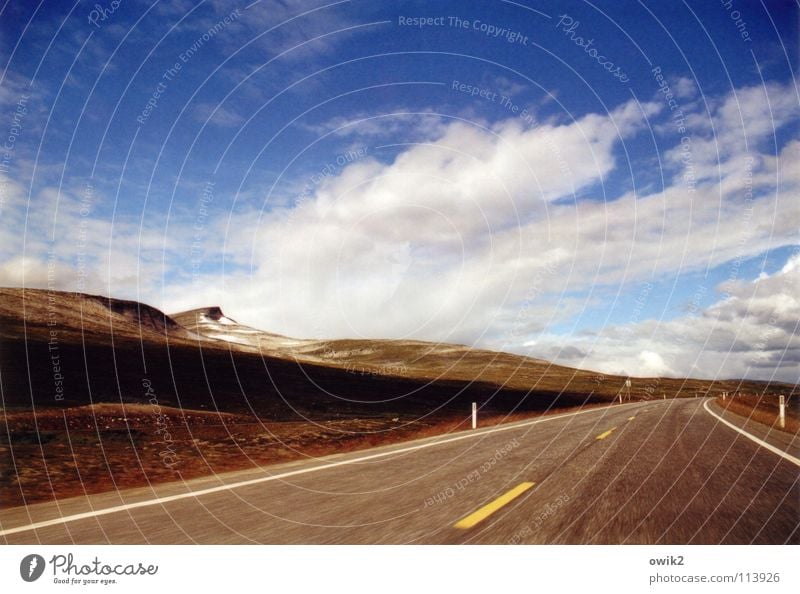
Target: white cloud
(750, 332)
(217, 114)
(743, 123)
(61, 232)
(470, 220)
(653, 364)
(685, 88)
(468, 237)
(397, 125)
(431, 245)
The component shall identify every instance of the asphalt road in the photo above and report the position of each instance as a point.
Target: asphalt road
(663, 472)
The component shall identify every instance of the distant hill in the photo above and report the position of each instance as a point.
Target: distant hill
(103, 350)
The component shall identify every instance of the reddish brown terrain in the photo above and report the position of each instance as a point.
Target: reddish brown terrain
(99, 393)
(764, 408)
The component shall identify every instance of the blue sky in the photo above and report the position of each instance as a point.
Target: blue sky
(613, 188)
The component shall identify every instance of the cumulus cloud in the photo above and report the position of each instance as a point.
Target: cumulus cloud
(685, 88)
(468, 238)
(57, 239)
(493, 234)
(741, 124)
(435, 244)
(750, 332)
(414, 125)
(218, 115)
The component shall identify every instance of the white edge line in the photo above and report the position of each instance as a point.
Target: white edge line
(751, 437)
(230, 487)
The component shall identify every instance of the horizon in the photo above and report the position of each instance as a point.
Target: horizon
(420, 171)
(231, 341)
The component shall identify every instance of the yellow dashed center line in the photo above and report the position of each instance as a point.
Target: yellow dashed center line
(631, 418)
(605, 434)
(489, 509)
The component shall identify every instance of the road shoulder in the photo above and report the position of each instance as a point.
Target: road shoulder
(785, 442)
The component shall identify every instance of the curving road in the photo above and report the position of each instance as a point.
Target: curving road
(664, 472)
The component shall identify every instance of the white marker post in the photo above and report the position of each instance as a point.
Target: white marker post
(628, 386)
(782, 414)
(724, 396)
(474, 415)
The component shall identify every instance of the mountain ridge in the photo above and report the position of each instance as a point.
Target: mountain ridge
(202, 358)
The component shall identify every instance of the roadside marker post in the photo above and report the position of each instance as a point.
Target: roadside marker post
(782, 414)
(474, 415)
(628, 386)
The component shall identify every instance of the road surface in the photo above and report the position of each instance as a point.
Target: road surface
(666, 472)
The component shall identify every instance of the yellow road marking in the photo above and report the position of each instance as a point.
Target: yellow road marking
(631, 418)
(489, 509)
(605, 434)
